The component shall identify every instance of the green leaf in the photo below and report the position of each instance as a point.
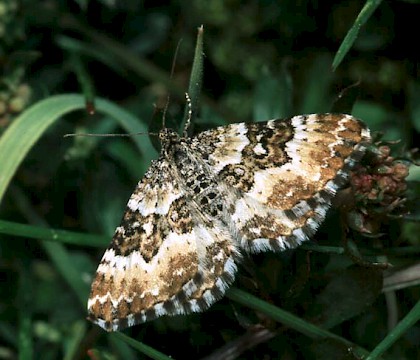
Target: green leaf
(61, 236)
(25, 312)
(347, 295)
(84, 78)
(364, 15)
(288, 319)
(326, 350)
(402, 327)
(196, 81)
(143, 348)
(74, 339)
(25, 130)
(59, 255)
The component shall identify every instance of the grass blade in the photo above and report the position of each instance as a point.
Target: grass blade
(61, 236)
(74, 340)
(402, 327)
(196, 81)
(83, 78)
(25, 314)
(143, 348)
(290, 320)
(25, 130)
(364, 15)
(58, 254)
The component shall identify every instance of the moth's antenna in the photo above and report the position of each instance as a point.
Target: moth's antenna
(165, 110)
(188, 122)
(110, 135)
(171, 76)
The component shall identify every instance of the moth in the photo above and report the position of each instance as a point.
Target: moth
(207, 199)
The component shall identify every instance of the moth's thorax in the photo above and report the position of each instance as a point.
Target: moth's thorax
(192, 172)
(174, 147)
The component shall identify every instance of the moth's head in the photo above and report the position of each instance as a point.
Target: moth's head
(167, 138)
(168, 135)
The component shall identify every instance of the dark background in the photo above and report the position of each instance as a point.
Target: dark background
(263, 59)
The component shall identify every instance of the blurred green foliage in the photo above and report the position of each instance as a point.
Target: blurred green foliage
(263, 59)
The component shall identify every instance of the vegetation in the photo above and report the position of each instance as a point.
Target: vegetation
(101, 66)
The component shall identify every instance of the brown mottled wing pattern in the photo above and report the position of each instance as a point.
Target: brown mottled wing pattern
(284, 173)
(165, 258)
(252, 187)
